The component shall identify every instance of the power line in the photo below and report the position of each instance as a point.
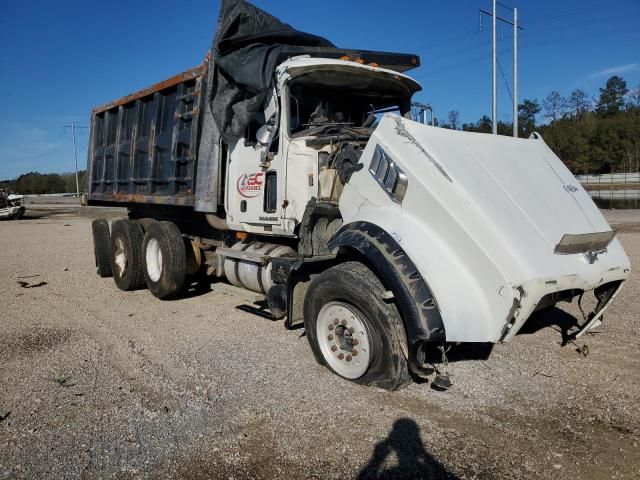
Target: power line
(572, 13)
(566, 26)
(443, 52)
(504, 6)
(575, 38)
(60, 137)
(53, 150)
(448, 51)
(505, 79)
(43, 154)
(464, 62)
(447, 55)
(457, 37)
(457, 65)
(547, 18)
(82, 145)
(494, 54)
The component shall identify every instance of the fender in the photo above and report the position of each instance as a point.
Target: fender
(417, 306)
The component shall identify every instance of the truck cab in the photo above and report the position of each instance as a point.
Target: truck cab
(321, 115)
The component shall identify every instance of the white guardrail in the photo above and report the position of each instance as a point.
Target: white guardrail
(613, 190)
(610, 178)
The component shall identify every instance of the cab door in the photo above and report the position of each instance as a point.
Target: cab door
(254, 171)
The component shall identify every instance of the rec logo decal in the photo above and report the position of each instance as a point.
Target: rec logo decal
(250, 184)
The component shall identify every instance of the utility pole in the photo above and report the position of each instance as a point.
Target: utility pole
(516, 27)
(494, 110)
(75, 155)
(73, 127)
(515, 73)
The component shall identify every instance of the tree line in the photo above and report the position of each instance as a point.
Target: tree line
(590, 135)
(35, 183)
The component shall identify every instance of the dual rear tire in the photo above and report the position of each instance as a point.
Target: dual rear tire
(139, 253)
(102, 247)
(126, 254)
(165, 259)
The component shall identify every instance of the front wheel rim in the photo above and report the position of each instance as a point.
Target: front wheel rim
(344, 339)
(153, 257)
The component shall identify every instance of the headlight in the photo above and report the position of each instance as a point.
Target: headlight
(390, 177)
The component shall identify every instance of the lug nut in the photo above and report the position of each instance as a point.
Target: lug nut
(334, 348)
(341, 356)
(343, 323)
(330, 337)
(331, 327)
(351, 330)
(355, 341)
(354, 352)
(348, 358)
(335, 321)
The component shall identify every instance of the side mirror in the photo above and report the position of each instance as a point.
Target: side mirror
(266, 134)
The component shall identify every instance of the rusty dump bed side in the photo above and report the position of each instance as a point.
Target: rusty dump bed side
(143, 146)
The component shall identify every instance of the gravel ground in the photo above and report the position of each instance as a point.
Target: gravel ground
(98, 383)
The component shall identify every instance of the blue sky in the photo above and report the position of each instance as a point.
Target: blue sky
(60, 59)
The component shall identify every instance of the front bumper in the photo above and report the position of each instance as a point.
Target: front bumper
(537, 294)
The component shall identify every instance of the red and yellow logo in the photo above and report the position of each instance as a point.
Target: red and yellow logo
(250, 184)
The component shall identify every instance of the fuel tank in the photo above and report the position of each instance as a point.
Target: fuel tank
(254, 275)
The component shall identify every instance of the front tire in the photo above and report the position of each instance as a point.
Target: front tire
(126, 254)
(352, 331)
(165, 259)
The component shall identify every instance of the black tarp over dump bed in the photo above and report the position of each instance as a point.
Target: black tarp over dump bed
(162, 145)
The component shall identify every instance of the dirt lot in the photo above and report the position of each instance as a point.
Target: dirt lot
(97, 383)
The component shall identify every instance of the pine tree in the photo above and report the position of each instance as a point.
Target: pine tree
(634, 99)
(454, 115)
(527, 112)
(578, 102)
(554, 106)
(612, 96)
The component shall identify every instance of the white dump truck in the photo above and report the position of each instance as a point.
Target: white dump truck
(314, 187)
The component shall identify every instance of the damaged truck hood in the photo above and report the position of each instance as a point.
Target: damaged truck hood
(491, 210)
(304, 65)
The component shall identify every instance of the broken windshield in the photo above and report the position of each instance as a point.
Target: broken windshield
(326, 101)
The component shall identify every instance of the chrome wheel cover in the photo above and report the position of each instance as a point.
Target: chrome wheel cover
(153, 257)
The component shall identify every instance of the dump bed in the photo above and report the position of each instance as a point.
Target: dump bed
(143, 147)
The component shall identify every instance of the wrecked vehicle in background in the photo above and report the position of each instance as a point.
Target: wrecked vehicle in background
(11, 206)
(292, 168)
